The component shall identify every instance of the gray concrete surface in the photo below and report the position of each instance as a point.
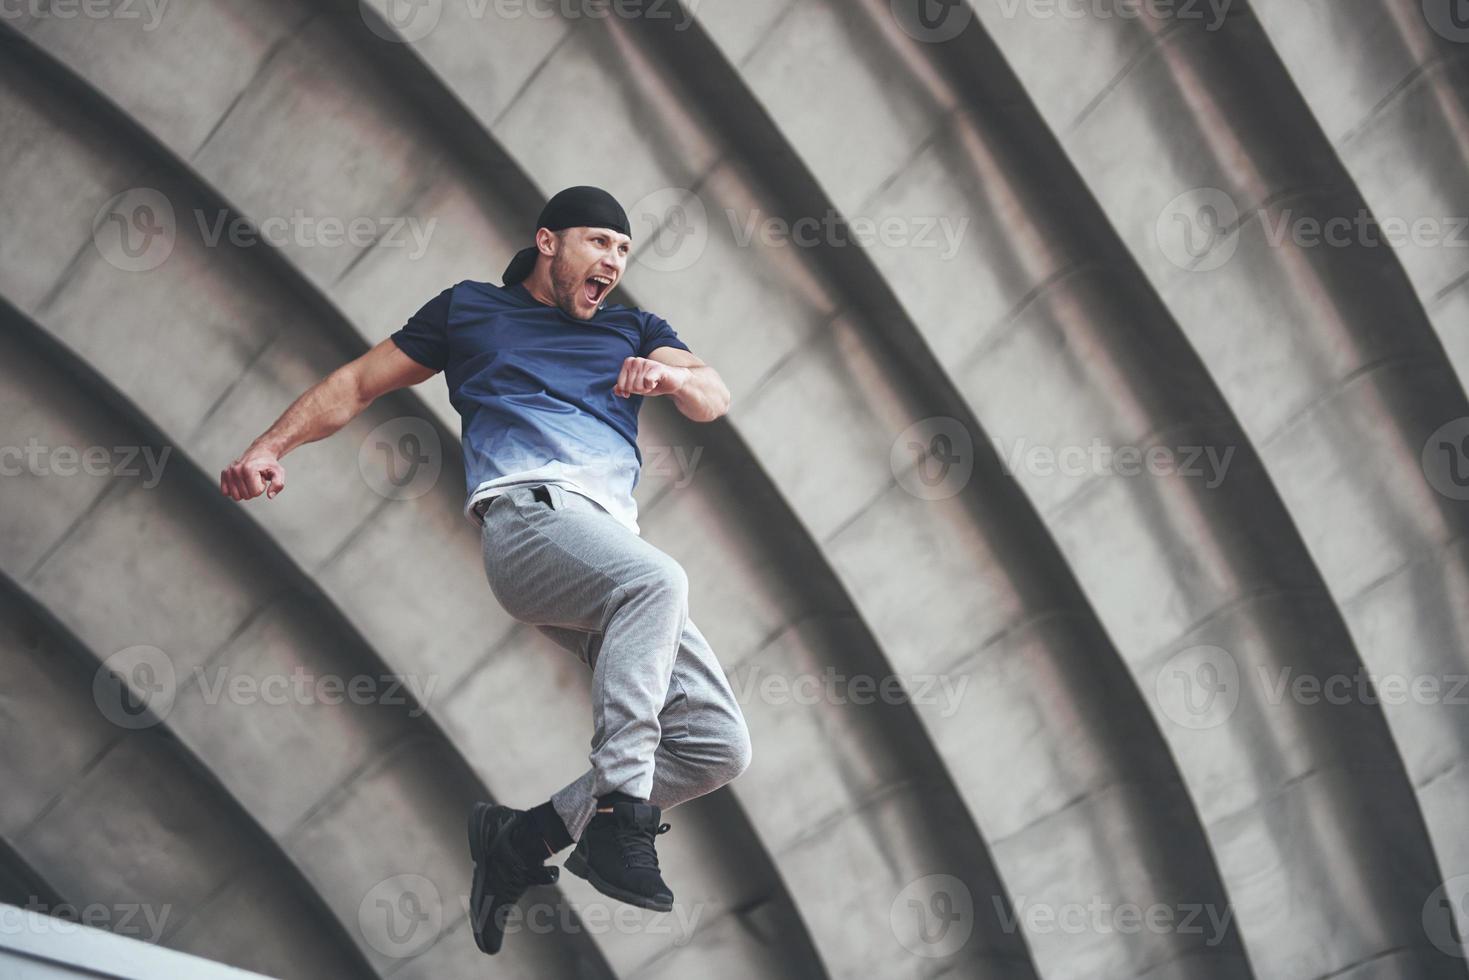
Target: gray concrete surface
(1050, 630)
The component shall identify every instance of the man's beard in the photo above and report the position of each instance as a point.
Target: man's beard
(566, 287)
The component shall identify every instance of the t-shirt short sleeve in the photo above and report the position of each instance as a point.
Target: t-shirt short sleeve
(657, 333)
(425, 337)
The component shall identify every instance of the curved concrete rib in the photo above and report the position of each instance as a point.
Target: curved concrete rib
(1037, 631)
(1392, 94)
(841, 815)
(952, 851)
(1325, 356)
(353, 542)
(231, 646)
(1071, 347)
(124, 820)
(1390, 89)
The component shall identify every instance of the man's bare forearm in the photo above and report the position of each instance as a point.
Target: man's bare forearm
(704, 397)
(325, 407)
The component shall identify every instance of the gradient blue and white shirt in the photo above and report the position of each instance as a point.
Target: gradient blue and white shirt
(533, 388)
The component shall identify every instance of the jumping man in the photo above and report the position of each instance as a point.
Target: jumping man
(548, 382)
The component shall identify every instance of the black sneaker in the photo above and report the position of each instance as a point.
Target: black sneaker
(616, 855)
(501, 875)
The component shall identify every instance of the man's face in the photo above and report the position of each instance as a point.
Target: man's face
(588, 264)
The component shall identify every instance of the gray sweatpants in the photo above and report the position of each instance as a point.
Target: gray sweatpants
(667, 727)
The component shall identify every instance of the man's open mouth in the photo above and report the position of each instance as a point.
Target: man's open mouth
(596, 287)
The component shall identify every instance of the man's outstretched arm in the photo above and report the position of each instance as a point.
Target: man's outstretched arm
(695, 387)
(325, 407)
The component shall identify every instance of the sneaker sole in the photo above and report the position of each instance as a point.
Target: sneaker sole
(577, 866)
(479, 816)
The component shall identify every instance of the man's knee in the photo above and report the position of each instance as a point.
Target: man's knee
(737, 754)
(665, 578)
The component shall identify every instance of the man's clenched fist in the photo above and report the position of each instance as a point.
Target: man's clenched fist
(643, 376)
(251, 475)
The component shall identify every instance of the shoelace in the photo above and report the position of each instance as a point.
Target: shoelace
(637, 845)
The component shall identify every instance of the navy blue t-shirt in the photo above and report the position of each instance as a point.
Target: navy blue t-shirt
(533, 388)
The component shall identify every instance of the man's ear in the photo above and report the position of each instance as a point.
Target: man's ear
(547, 241)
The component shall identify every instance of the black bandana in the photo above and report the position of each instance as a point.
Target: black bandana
(575, 207)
